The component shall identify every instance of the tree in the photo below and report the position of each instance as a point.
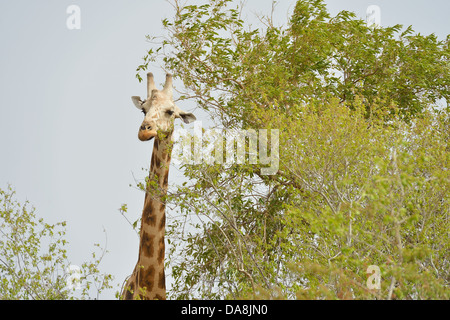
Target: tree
(363, 176)
(33, 258)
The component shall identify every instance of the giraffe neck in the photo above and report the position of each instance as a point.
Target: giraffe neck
(148, 278)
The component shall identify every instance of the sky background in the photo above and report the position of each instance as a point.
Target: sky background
(68, 127)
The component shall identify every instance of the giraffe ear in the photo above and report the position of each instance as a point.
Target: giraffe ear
(138, 103)
(187, 117)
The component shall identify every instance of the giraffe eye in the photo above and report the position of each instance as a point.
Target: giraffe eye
(169, 112)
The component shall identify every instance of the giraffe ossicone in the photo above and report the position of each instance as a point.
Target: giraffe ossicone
(148, 278)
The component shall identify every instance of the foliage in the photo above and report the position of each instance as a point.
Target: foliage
(33, 258)
(346, 196)
(364, 157)
(235, 71)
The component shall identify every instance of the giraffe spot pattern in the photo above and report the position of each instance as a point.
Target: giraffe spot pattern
(147, 278)
(162, 222)
(157, 161)
(162, 280)
(161, 252)
(129, 292)
(148, 215)
(147, 245)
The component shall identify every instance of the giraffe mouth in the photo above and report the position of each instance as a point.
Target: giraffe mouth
(146, 134)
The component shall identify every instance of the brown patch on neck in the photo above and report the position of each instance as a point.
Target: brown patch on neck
(162, 280)
(161, 251)
(157, 161)
(162, 207)
(147, 278)
(162, 222)
(166, 179)
(148, 214)
(147, 244)
(152, 162)
(129, 290)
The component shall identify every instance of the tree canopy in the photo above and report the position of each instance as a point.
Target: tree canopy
(364, 157)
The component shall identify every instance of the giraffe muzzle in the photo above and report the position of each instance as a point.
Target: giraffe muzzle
(146, 133)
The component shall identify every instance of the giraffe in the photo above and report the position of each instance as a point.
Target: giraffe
(148, 278)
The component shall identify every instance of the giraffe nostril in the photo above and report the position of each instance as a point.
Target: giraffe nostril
(146, 127)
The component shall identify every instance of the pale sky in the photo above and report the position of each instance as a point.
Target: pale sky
(68, 126)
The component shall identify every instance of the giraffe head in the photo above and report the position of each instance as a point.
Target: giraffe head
(159, 109)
